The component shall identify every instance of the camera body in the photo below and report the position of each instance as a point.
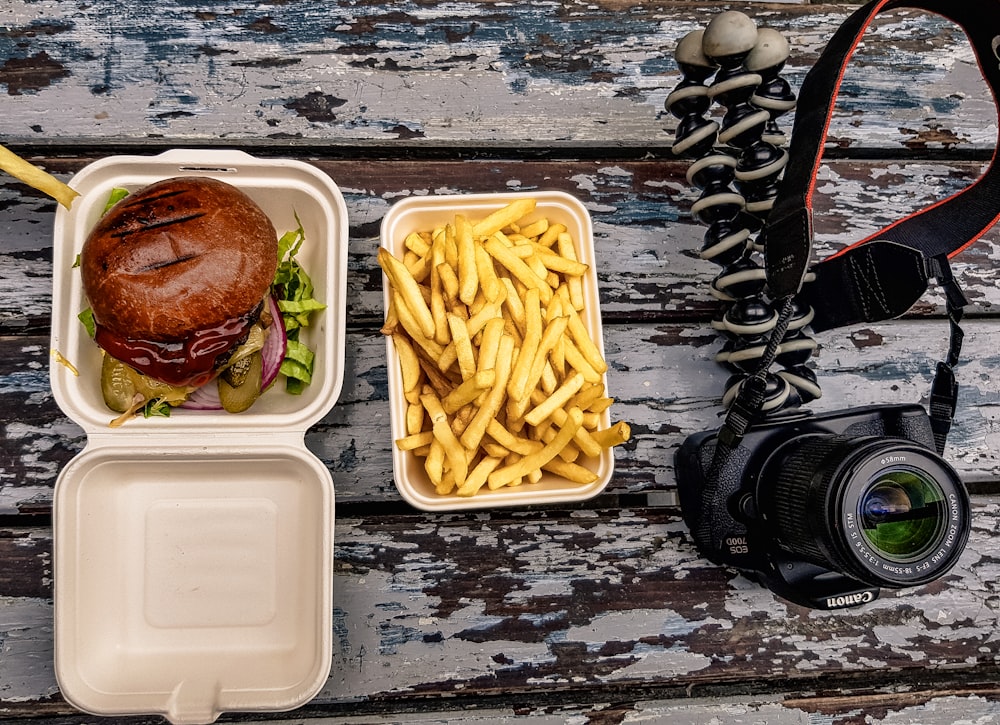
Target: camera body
(826, 509)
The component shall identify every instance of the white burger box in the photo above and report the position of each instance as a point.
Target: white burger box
(426, 213)
(193, 554)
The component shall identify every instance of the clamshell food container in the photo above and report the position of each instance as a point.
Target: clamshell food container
(193, 554)
(426, 213)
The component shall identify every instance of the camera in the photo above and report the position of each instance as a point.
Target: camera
(827, 509)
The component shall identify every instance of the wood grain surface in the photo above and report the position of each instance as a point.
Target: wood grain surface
(598, 612)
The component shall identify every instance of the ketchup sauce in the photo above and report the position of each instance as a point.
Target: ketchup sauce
(188, 362)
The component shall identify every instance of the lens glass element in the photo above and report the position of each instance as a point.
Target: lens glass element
(902, 514)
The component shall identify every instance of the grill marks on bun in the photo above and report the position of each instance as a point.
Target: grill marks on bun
(178, 257)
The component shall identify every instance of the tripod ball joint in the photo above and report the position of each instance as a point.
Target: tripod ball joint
(689, 101)
(729, 38)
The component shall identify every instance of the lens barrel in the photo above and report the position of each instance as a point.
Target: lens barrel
(885, 511)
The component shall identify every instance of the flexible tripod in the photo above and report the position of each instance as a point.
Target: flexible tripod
(736, 166)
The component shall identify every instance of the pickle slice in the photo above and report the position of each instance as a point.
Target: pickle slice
(236, 374)
(237, 398)
(117, 384)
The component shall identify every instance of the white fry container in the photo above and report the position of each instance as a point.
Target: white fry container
(425, 213)
(193, 555)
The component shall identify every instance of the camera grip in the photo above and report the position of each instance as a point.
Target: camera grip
(717, 532)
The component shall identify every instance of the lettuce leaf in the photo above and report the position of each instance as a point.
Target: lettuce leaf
(293, 289)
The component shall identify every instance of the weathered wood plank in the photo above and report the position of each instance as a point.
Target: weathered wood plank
(406, 73)
(663, 377)
(646, 242)
(924, 707)
(580, 604)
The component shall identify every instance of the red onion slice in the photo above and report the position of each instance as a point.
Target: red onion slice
(207, 396)
(275, 345)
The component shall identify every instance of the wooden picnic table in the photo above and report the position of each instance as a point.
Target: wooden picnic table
(601, 611)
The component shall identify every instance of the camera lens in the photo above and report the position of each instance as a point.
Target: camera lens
(885, 511)
(902, 513)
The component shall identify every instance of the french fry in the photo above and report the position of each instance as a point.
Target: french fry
(468, 277)
(576, 360)
(511, 442)
(477, 476)
(536, 228)
(36, 178)
(571, 471)
(414, 417)
(585, 344)
(489, 345)
(568, 250)
(434, 462)
(409, 364)
(449, 281)
(615, 435)
(557, 400)
(488, 280)
(558, 263)
(550, 336)
(410, 324)
(516, 266)
(416, 244)
(438, 309)
(463, 346)
(504, 217)
(503, 383)
(409, 290)
(414, 441)
(494, 400)
(551, 235)
(517, 387)
(504, 476)
(453, 451)
(468, 390)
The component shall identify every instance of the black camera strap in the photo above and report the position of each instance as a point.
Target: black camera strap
(883, 275)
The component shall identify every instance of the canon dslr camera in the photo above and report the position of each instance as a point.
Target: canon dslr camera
(827, 509)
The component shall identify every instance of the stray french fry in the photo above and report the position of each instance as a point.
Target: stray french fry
(615, 435)
(36, 178)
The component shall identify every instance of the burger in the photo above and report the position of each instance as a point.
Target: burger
(178, 276)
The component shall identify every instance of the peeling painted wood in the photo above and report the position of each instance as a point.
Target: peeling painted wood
(585, 604)
(601, 612)
(548, 74)
(646, 241)
(663, 377)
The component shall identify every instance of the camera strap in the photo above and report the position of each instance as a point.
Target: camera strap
(883, 275)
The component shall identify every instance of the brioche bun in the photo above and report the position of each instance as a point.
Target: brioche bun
(179, 255)
(175, 274)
